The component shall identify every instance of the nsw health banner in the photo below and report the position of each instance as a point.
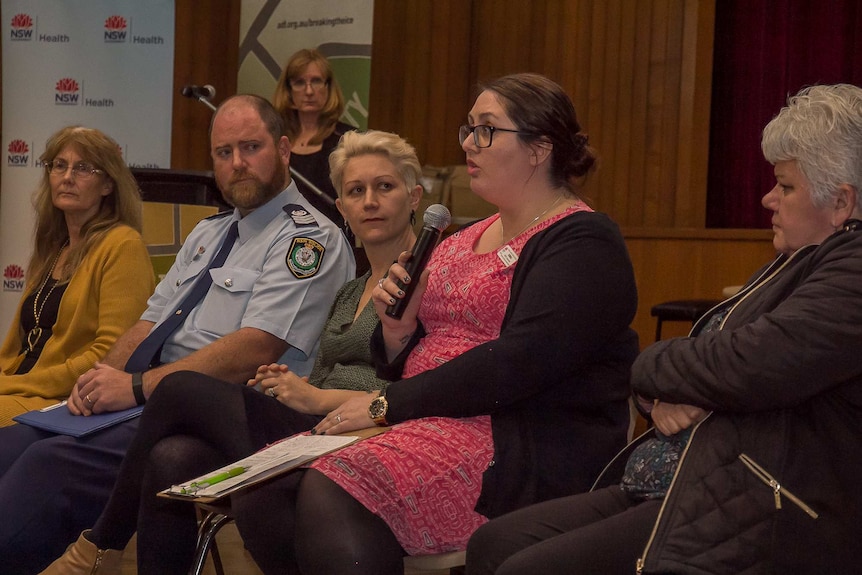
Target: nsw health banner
(272, 30)
(105, 64)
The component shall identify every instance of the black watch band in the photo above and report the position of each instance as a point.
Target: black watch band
(138, 387)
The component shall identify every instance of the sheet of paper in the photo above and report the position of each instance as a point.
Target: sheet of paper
(293, 451)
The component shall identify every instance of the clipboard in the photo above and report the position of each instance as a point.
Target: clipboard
(273, 460)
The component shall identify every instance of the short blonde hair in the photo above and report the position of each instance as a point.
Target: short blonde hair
(394, 147)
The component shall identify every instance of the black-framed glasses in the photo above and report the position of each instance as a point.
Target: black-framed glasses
(299, 84)
(80, 170)
(483, 135)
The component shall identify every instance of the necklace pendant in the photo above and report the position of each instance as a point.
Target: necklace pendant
(33, 337)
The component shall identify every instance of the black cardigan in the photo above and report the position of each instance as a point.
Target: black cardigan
(556, 380)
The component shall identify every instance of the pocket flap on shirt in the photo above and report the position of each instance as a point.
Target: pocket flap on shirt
(234, 279)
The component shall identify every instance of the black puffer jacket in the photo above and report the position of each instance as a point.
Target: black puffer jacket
(783, 378)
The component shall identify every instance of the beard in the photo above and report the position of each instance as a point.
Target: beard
(247, 192)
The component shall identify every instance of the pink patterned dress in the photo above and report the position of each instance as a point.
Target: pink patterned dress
(424, 476)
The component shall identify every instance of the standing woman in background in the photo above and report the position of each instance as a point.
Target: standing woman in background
(311, 102)
(88, 279)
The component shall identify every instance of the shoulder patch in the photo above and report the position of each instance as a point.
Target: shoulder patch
(300, 215)
(219, 215)
(304, 257)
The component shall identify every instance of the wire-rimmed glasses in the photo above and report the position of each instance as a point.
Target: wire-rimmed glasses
(80, 170)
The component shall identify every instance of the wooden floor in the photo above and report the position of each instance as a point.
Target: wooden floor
(235, 558)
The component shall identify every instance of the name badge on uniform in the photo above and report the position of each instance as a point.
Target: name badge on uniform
(507, 255)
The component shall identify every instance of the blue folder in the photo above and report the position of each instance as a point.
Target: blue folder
(58, 419)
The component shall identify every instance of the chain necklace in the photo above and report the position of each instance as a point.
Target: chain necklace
(503, 239)
(34, 334)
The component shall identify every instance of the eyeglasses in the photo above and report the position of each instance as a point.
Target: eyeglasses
(316, 84)
(81, 170)
(483, 135)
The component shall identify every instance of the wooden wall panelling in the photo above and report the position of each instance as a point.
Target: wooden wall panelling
(206, 51)
(694, 112)
(420, 84)
(684, 264)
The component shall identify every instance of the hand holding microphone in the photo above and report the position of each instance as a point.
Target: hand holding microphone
(435, 220)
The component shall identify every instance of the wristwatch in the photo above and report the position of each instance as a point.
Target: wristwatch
(138, 388)
(377, 410)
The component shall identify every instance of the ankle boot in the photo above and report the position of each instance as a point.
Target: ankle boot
(83, 558)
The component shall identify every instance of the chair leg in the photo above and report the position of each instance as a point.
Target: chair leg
(207, 530)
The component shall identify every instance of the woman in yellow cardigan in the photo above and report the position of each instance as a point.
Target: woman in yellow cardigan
(88, 279)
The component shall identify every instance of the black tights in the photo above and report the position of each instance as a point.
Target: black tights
(192, 424)
(305, 523)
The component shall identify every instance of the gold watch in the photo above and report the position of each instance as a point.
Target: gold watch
(377, 410)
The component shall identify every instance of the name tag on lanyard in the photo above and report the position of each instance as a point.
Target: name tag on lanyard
(507, 255)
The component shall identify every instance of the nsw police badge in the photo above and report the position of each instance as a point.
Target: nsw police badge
(304, 257)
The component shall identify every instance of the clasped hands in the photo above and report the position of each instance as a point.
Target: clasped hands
(276, 380)
(101, 389)
(671, 418)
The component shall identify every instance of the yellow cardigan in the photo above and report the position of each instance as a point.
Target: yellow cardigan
(106, 295)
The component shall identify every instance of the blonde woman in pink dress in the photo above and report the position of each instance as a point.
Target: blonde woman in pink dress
(510, 364)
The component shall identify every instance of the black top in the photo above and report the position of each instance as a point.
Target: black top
(315, 168)
(47, 319)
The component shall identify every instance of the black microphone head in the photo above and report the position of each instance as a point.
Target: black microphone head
(206, 91)
(437, 216)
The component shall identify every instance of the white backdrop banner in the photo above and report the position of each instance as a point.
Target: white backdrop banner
(105, 64)
(272, 30)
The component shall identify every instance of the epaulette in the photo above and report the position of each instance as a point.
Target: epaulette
(300, 216)
(219, 215)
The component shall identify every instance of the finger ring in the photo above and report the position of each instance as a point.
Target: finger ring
(338, 417)
(380, 282)
(271, 392)
(90, 401)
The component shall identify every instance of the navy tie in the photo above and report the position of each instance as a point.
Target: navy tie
(148, 352)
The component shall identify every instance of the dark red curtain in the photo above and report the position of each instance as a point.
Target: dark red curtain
(766, 50)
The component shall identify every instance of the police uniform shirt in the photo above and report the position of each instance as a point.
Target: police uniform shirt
(281, 277)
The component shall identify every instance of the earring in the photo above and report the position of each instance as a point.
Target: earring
(348, 232)
(412, 217)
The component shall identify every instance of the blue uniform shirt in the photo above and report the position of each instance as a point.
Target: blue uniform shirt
(281, 277)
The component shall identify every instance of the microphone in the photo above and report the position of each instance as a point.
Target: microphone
(436, 219)
(205, 92)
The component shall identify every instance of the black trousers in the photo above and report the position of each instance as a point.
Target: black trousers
(192, 423)
(602, 533)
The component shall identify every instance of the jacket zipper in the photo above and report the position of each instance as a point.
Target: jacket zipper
(777, 488)
(642, 559)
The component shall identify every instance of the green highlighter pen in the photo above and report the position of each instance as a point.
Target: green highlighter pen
(209, 481)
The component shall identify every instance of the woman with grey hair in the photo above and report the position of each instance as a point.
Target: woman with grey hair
(755, 413)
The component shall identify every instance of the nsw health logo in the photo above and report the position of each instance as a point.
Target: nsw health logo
(22, 28)
(13, 278)
(115, 29)
(67, 92)
(18, 154)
